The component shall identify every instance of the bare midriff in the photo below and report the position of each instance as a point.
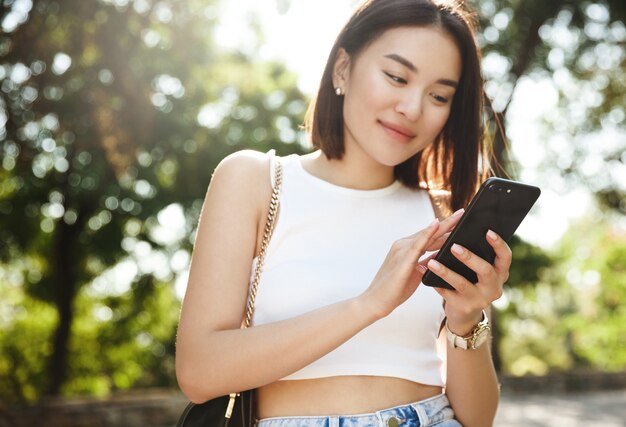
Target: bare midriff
(338, 395)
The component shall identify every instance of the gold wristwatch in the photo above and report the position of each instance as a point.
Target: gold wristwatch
(474, 339)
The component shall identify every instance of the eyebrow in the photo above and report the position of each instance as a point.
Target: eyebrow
(408, 64)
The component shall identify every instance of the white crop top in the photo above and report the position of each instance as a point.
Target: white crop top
(328, 244)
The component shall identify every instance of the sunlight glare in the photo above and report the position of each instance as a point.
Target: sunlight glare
(301, 37)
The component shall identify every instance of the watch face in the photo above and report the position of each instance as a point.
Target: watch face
(480, 337)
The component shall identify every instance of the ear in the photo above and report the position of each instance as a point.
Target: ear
(341, 69)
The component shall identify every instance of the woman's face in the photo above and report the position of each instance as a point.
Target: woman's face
(398, 92)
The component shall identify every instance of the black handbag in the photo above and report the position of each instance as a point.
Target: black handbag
(237, 409)
(215, 412)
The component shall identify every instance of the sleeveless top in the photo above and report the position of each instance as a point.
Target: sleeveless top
(327, 246)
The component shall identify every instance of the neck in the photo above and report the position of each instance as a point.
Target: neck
(354, 170)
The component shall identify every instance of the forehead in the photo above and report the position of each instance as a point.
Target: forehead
(430, 49)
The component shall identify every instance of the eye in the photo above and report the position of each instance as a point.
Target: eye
(395, 78)
(439, 98)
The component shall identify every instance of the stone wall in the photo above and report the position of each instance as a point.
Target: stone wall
(565, 382)
(154, 408)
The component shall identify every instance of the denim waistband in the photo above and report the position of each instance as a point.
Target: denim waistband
(418, 414)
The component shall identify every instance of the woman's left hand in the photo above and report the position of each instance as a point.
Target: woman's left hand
(464, 305)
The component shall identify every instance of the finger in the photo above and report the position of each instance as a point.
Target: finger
(417, 234)
(502, 263)
(421, 239)
(446, 225)
(437, 242)
(425, 260)
(421, 269)
(483, 269)
(487, 274)
(443, 233)
(450, 222)
(454, 279)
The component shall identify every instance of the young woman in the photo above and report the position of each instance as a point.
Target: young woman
(343, 332)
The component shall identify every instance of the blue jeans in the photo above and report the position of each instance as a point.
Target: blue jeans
(435, 411)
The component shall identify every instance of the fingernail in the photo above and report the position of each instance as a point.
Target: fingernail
(434, 265)
(459, 212)
(457, 249)
(492, 235)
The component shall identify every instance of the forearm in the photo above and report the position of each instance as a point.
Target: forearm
(233, 360)
(471, 380)
(472, 385)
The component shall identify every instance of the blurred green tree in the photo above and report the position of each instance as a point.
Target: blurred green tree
(572, 315)
(113, 111)
(579, 48)
(594, 267)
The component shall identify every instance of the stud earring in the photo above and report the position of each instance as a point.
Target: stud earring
(338, 91)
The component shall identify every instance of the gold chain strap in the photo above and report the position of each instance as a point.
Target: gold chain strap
(269, 228)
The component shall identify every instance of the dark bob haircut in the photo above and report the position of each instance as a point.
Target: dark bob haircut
(458, 158)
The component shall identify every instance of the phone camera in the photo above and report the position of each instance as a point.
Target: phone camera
(492, 187)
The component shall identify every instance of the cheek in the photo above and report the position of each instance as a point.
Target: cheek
(438, 120)
(366, 94)
(377, 92)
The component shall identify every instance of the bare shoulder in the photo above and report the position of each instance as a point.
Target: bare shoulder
(241, 186)
(247, 166)
(245, 173)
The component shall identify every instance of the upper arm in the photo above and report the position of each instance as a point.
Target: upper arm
(225, 245)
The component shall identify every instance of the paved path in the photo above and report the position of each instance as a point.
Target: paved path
(595, 409)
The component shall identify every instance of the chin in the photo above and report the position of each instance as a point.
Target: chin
(392, 159)
(398, 154)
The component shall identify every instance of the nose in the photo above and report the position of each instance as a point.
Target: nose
(410, 105)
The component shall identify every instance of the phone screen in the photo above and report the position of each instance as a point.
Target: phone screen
(499, 205)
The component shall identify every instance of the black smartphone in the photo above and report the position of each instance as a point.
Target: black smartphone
(499, 205)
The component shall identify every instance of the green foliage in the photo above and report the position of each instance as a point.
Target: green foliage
(26, 327)
(114, 112)
(530, 340)
(572, 317)
(118, 342)
(530, 263)
(578, 47)
(535, 341)
(597, 272)
(130, 335)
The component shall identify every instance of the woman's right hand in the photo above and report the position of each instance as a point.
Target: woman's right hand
(401, 272)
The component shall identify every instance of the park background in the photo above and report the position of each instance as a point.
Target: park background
(114, 114)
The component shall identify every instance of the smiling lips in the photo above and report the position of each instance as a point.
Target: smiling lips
(399, 133)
